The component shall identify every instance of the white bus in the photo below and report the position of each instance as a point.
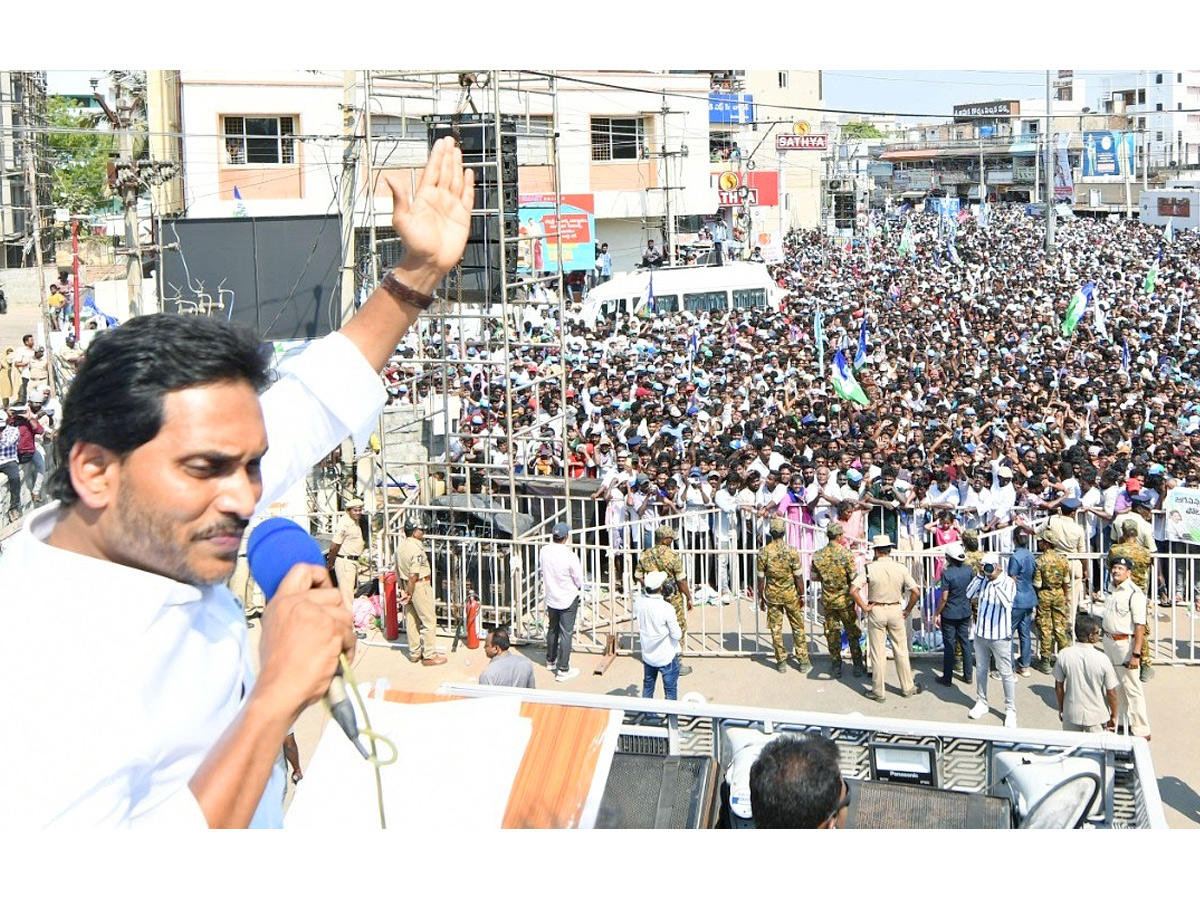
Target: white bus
(736, 285)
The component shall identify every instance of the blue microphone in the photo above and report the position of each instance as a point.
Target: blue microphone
(274, 548)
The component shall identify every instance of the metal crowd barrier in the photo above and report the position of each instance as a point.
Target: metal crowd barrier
(726, 621)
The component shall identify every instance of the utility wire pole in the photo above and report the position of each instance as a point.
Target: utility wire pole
(349, 170)
(31, 188)
(1050, 150)
(125, 181)
(666, 156)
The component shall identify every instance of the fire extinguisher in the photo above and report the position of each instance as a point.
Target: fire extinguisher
(391, 620)
(473, 607)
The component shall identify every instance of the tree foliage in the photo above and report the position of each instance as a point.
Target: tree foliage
(79, 157)
(860, 130)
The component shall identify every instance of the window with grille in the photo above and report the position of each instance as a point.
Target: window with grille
(259, 140)
(751, 297)
(706, 300)
(617, 138)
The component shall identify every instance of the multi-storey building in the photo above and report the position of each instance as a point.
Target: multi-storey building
(22, 138)
(1164, 106)
(630, 145)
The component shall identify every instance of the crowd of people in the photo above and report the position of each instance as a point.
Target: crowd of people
(982, 412)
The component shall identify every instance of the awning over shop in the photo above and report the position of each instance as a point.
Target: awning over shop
(1026, 145)
(910, 195)
(927, 153)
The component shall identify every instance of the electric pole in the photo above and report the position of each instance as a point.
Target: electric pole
(1049, 176)
(666, 156)
(31, 188)
(349, 170)
(125, 182)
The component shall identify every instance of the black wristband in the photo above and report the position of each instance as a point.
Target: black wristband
(404, 293)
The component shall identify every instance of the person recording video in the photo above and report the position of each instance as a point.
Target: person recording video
(165, 451)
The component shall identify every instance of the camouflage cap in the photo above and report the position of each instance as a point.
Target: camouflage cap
(664, 533)
(834, 530)
(1128, 527)
(777, 526)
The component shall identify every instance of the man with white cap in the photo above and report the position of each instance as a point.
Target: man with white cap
(995, 592)
(953, 614)
(562, 579)
(1003, 499)
(886, 582)
(659, 634)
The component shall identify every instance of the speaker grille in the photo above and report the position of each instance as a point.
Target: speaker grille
(643, 743)
(882, 805)
(647, 791)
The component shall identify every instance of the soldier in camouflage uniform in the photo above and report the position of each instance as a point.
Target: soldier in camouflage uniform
(833, 567)
(663, 558)
(1052, 580)
(970, 541)
(1142, 560)
(780, 592)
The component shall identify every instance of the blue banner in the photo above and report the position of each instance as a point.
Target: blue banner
(730, 109)
(946, 207)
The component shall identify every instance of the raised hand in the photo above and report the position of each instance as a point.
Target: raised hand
(434, 222)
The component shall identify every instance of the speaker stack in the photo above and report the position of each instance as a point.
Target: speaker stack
(493, 158)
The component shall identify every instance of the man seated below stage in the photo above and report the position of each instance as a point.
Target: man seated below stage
(506, 669)
(796, 783)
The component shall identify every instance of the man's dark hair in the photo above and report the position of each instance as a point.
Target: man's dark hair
(795, 783)
(116, 399)
(499, 635)
(1086, 625)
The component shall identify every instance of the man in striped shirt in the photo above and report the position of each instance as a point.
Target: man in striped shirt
(995, 592)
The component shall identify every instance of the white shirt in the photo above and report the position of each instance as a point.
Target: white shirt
(724, 522)
(164, 666)
(772, 465)
(658, 629)
(562, 575)
(993, 619)
(695, 514)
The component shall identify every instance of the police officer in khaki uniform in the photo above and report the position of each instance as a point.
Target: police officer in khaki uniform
(413, 574)
(1124, 626)
(344, 559)
(1131, 547)
(886, 582)
(780, 593)
(1069, 538)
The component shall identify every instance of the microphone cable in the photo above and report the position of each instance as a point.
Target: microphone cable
(372, 738)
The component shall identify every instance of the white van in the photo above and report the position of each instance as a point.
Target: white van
(736, 285)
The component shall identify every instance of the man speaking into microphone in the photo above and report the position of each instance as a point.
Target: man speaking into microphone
(165, 451)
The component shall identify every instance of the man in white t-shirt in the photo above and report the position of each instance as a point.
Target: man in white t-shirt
(659, 634)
